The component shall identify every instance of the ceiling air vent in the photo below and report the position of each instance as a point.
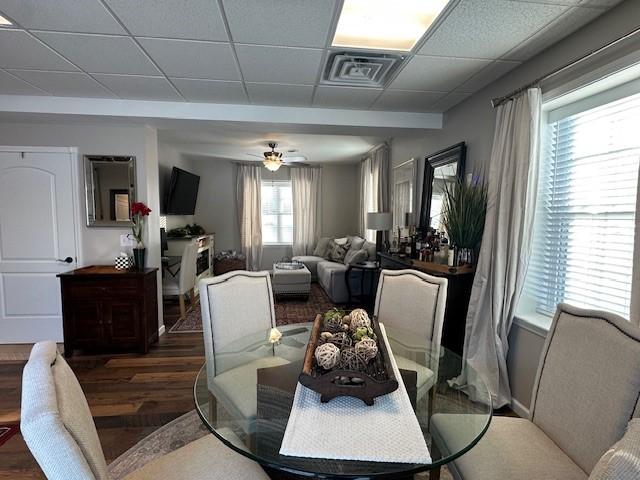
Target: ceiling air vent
(360, 69)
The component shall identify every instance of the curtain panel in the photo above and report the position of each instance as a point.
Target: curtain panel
(248, 202)
(506, 247)
(635, 280)
(306, 187)
(375, 195)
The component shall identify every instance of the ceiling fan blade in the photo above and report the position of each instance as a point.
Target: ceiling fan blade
(257, 156)
(294, 158)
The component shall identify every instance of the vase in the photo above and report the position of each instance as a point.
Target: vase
(139, 258)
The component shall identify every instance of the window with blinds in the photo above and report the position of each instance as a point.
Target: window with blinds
(277, 212)
(585, 214)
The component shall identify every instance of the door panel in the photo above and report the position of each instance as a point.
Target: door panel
(37, 228)
(125, 322)
(88, 321)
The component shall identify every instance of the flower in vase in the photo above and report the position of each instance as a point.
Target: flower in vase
(138, 213)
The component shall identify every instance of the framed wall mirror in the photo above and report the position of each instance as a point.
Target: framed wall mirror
(110, 187)
(441, 169)
(403, 193)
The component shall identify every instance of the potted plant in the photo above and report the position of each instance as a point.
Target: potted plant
(139, 211)
(463, 214)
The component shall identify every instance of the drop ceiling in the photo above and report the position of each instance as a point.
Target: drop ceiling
(263, 52)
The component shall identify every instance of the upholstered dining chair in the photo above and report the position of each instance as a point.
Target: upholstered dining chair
(185, 282)
(57, 426)
(586, 392)
(414, 303)
(235, 305)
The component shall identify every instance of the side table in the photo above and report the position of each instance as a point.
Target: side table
(370, 269)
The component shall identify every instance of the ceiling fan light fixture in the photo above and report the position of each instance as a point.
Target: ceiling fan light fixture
(272, 160)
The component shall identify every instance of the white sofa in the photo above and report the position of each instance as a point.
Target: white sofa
(330, 274)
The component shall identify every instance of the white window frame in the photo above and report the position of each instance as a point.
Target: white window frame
(280, 242)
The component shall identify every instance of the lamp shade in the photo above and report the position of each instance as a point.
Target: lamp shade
(379, 221)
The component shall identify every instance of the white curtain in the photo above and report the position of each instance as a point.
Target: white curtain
(635, 280)
(506, 246)
(374, 187)
(248, 186)
(306, 189)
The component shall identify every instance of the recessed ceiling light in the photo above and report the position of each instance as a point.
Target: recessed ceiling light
(4, 22)
(385, 24)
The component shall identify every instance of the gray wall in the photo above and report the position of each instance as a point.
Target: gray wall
(216, 206)
(473, 122)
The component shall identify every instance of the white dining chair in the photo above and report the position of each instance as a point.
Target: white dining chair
(412, 303)
(57, 426)
(234, 306)
(185, 282)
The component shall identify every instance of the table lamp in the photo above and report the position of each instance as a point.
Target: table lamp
(380, 222)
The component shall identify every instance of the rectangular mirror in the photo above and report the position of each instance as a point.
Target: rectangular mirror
(110, 190)
(441, 168)
(403, 193)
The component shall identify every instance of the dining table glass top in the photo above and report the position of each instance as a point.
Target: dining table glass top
(244, 397)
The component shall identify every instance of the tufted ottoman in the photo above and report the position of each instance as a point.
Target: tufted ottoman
(289, 282)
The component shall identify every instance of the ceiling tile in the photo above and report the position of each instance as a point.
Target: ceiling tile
(487, 75)
(191, 59)
(64, 84)
(279, 64)
(100, 53)
(564, 25)
(281, 95)
(19, 50)
(450, 100)
(407, 101)
(345, 97)
(488, 28)
(138, 87)
(436, 73)
(9, 85)
(303, 23)
(194, 19)
(87, 16)
(210, 90)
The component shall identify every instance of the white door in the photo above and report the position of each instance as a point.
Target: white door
(37, 241)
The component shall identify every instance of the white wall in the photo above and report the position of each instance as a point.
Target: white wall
(340, 199)
(473, 122)
(100, 245)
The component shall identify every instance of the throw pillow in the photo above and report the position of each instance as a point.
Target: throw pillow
(622, 460)
(337, 252)
(370, 248)
(355, 256)
(341, 241)
(356, 242)
(322, 247)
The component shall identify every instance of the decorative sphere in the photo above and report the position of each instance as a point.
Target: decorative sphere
(325, 336)
(346, 319)
(340, 340)
(359, 318)
(363, 332)
(352, 360)
(368, 347)
(333, 319)
(327, 355)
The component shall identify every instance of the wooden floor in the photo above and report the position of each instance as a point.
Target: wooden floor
(129, 395)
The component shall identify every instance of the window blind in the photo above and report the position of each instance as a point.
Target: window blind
(584, 224)
(277, 212)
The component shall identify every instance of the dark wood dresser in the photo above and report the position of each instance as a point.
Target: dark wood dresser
(460, 281)
(109, 310)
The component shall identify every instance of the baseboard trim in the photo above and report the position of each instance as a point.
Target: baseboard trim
(519, 408)
(161, 330)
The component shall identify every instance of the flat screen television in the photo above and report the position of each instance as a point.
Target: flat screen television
(182, 193)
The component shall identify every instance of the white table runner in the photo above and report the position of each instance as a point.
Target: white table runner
(347, 429)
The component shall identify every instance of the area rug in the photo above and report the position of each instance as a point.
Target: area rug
(287, 311)
(8, 431)
(170, 437)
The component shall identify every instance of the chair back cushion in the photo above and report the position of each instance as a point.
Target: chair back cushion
(413, 302)
(188, 267)
(622, 460)
(588, 382)
(56, 421)
(234, 305)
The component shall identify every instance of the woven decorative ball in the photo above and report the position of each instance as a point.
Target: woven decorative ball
(368, 347)
(352, 360)
(359, 318)
(340, 340)
(327, 355)
(325, 336)
(333, 322)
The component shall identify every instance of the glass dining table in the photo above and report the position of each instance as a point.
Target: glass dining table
(244, 395)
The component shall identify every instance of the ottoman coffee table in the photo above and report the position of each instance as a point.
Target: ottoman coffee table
(291, 280)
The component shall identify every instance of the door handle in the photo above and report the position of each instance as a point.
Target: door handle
(66, 260)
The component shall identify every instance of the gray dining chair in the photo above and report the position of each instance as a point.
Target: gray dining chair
(237, 305)
(412, 303)
(185, 282)
(57, 426)
(586, 391)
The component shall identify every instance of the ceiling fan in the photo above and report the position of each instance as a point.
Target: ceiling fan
(274, 160)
